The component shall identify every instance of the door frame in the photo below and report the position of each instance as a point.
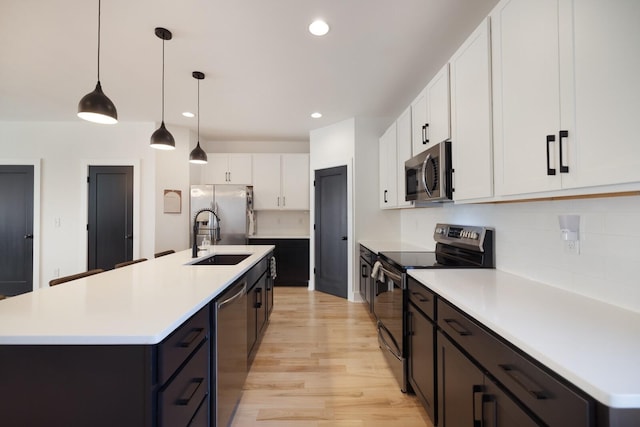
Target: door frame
(84, 204)
(352, 293)
(36, 163)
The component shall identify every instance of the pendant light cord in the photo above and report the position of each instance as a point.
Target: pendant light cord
(198, 111)
(98, 40)
(162, 80)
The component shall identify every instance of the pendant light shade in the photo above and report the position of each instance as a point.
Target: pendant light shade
(198, 155)
(96, 106)
(162, 138)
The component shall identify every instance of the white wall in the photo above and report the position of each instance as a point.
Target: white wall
(255, 146)
(528, 242)
(64, 150)
(173, 172)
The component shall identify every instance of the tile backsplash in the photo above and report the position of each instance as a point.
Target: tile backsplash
(282, 223)
(529, 242)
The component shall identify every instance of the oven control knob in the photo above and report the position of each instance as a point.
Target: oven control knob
(474, 235)
(439, 230)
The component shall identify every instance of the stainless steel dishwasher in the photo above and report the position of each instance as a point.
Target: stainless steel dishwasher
(230, 369)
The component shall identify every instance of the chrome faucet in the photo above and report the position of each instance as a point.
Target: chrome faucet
(196, 227)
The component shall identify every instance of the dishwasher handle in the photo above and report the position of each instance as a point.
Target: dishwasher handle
(239, 294)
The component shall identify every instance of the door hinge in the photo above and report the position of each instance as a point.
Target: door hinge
(314, 182)
(88, 180)
(314, 226)
(87, 227)
(314, 270)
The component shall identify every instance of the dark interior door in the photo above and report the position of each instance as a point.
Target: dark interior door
(110, 224)
(331, 243)
(16, 229)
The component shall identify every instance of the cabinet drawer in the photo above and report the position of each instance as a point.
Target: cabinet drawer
(175, 349)
(180, 399)
(423, 298)
(548, 397)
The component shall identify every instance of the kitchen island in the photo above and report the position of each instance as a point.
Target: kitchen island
(131, 346)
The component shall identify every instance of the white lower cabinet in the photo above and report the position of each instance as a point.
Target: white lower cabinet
(565, 98)
(280, 181)
(471, 135)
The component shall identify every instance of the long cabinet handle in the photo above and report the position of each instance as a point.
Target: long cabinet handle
(563, 134)
(425, 140)
(525, 382)
(190, 337)
(420, 296)
(189, 392)
(550, 170)
(456, 326)
(284, 201)
(363, 271)
(385, 196)
(493, 411)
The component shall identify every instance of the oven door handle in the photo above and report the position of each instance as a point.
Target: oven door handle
(381, 339)
(392, 275)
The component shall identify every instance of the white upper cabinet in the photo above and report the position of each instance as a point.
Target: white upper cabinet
(566, 94)
(431, 113)
(471, 133)
(229, 168)
(281, 181)
(388, 169)
(295, 181)
(403, 153)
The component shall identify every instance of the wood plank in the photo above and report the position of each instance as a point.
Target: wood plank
(319, 365)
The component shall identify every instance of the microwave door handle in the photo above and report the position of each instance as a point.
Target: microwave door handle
(424, 175)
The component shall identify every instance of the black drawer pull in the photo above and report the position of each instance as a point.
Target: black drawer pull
(420, 296)
(189, 392)
(456, 326)
(188, 339)
(525, 382)
(478, 393)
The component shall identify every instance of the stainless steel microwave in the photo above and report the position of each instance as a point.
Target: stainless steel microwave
(428, 176)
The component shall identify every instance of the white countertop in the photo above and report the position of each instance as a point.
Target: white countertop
(594, 345)
(378, 246)
(138, 304)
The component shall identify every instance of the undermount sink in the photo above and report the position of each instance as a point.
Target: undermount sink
(222, 259)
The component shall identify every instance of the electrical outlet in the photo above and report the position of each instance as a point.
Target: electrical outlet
(572, 247)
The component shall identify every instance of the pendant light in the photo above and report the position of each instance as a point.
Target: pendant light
(162, 138)
(96, 106)
(198, 155)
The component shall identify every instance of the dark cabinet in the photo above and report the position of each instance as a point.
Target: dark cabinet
(421, 339)
(367, 259)
(467, 397)
(550, 398)
(292, 257)
(256, 314)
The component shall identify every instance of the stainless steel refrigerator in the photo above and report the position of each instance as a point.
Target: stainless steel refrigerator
(233, 204)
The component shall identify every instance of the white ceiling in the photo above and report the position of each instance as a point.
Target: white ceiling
(265, 74)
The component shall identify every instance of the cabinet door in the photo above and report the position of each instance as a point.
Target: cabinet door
(240, 169)
(471, 117)
(403, 153)
(438, 111)
(419, 123)
(601, 63)
(499, 410)
(388, 167)
(460, 387)
(421, 363)
(266, 181)
(216, 170)
(295, 182)
(526, 96)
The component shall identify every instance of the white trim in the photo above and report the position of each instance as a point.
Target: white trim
(84, 203)
(37, 241)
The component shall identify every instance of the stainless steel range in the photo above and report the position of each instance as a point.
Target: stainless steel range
(457, 246)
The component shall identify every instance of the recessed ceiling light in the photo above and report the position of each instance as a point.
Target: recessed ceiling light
(319, 27)
(188, 114)
(316, 115)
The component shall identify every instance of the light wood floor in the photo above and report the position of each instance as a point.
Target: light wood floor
(319, 365)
